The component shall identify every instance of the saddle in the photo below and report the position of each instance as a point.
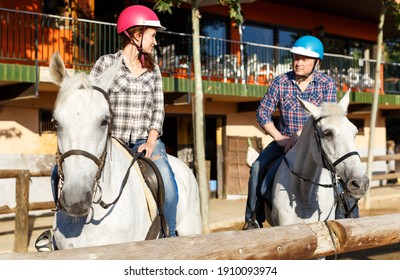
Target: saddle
(155, 183)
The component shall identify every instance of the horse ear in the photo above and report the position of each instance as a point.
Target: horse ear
(310, 108)
(344, 102)
(57, 69)
(107, 77)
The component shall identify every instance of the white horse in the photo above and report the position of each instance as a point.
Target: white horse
(102, 200)
(305, 188)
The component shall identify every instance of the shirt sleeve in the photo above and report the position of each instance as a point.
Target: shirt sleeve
(157, 119)
(268, 104)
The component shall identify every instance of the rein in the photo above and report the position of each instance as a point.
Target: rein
(329, 167)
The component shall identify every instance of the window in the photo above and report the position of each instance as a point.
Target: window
(45, 123)
(257, 34)
(359, 123)
(287, 38)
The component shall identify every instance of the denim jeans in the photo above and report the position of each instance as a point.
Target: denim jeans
(257, 173)
(171, 188)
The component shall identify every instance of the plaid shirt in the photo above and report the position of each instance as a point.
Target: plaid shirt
(282, 95)
(137, 102)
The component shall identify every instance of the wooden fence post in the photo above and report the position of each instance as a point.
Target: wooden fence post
(21, 239)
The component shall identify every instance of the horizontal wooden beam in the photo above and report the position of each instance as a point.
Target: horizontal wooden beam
(298, 241)
(382, 158)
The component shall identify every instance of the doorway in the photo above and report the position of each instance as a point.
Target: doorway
(178, 139)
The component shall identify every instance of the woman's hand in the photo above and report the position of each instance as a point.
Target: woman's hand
(147, 148)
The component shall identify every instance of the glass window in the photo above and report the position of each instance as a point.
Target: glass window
(214, 28)
(287, 38)
(257, 34)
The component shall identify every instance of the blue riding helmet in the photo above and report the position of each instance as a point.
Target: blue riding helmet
(308, 46)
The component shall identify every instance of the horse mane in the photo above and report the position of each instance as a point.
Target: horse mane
(332, 109)
(70, 85)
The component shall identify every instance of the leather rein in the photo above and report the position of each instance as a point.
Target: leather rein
(330, 167)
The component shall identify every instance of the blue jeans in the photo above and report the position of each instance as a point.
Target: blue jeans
(171, 188)
(257, 173)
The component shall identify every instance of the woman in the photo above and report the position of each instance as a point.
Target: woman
(136, 96)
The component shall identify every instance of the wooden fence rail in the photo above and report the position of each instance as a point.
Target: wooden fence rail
(386, 176)
(23, 206)
(21, 240)
(299, 241)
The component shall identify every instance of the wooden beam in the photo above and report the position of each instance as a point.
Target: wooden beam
(298, 241)
(383, 158)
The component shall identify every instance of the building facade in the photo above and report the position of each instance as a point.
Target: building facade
(236, 70)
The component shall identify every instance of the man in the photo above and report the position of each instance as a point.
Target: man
(304, 81)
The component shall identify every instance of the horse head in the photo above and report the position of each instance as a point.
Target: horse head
(333, 146)
(83, 120)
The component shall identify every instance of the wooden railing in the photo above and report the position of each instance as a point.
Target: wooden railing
(23, 206)
(384, 176)
(21, 240)
(295, 242)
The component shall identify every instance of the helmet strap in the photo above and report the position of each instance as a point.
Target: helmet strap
(140, 47)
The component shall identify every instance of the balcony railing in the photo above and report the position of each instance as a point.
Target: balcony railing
(31, 38)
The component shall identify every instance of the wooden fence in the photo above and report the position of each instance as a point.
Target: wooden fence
(23, 206)
(299, 241)
(22, 177)
(384, 176)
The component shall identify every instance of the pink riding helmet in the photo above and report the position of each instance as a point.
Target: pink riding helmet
(137, 15)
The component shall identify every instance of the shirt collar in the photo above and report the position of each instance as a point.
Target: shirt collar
(315, 78)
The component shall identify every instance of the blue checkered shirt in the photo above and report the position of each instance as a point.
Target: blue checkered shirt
(137, 102)
(282, 95)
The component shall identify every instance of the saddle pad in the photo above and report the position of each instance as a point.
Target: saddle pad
(151, 203)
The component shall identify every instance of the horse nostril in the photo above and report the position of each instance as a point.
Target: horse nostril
(74, 207)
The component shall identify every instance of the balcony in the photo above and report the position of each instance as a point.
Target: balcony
(229, 68)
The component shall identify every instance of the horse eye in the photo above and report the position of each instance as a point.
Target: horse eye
(328, 134)
(104, 123)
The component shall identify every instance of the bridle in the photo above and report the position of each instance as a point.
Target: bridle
(331, 167)
(327, 165)
(99, 161)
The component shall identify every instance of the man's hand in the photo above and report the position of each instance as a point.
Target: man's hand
(282, 141)
(291, 141)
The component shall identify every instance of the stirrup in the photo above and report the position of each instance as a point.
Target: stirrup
(251, 224)
(44, 242)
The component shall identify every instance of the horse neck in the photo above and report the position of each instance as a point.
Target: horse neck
(303, 150)
(117, 164)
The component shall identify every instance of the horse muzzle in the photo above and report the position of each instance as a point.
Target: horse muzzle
(76, 209)
(357, 188)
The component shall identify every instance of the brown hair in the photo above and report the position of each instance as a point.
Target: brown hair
(149, 63)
